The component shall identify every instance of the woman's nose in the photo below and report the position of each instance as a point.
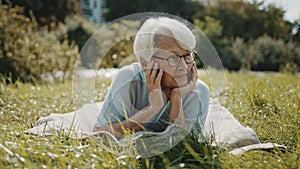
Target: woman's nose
(182, 64)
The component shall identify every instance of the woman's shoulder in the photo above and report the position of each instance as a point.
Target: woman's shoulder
(202, 87)
(132, 72)
(134, 67)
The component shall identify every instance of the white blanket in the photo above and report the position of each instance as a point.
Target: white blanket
(220, 125)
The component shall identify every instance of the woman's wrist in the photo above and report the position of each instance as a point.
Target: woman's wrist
(175, 95)
(176, 106)
(155, 108)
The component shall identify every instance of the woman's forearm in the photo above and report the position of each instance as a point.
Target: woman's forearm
(176, 111)
(134, 123)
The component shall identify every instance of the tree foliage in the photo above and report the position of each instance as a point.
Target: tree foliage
(183, 8)
(245, 30)
(247, 35)
(248, 20)
(112, 46)
(49, 12)
(266, 54)
(28, 53)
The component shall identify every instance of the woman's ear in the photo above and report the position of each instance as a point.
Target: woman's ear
(144, 63)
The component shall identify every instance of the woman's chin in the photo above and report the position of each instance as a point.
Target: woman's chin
(181, 81)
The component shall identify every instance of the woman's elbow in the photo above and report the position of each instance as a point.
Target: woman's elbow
(203, 90)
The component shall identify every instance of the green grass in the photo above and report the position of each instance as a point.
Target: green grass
(269, 104)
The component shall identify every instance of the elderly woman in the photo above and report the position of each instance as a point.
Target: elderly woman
(160, 90)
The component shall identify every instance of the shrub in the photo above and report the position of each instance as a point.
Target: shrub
(49, 12)
(266, 54)
(107, 45)
(79, 29)
(112, 46)
(27, 52)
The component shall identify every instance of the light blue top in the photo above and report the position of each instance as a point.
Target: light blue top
(128, 94)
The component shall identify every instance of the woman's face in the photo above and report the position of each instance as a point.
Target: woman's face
(176, 76)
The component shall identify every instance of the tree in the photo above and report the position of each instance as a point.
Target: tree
(265, 54)
(49, 11)
(27, 53)
(296, 32)
(183, 8)
(248, 20)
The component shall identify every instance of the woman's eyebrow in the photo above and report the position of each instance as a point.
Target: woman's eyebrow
(173, 51)
(176, 52)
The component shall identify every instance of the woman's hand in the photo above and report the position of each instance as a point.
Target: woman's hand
(153, 76)
(176, 111)
(188, 87)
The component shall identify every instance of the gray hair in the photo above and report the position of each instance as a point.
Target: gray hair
(146, 40)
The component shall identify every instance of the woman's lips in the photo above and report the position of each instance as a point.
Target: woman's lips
(181, 75)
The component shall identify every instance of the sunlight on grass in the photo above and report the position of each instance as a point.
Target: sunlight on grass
(268, 103)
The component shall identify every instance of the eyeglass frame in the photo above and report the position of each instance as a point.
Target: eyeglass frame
(184, 56)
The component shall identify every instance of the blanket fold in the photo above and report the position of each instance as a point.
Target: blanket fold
(220, 126)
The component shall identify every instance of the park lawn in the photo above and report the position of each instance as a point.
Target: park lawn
(266, 102)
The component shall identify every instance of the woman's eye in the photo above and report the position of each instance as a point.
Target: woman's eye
(173, 58)
(188, 58)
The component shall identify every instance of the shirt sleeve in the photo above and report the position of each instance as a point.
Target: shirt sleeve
(195, 106)
(118, 104)
(204, 102)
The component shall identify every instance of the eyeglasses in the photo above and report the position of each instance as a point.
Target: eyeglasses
(173, 60)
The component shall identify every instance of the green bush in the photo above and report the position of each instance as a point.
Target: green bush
(79, 29)
(111, 46)
(107, 46)
(28, 52)
(265, 54)
(48, 12)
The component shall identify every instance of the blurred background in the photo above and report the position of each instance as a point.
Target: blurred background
(42, 39)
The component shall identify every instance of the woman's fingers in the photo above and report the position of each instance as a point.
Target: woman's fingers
(192, 84)
(194, 72)
(158, 78)
(154, 71)
(148, 70)
(153, 75)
